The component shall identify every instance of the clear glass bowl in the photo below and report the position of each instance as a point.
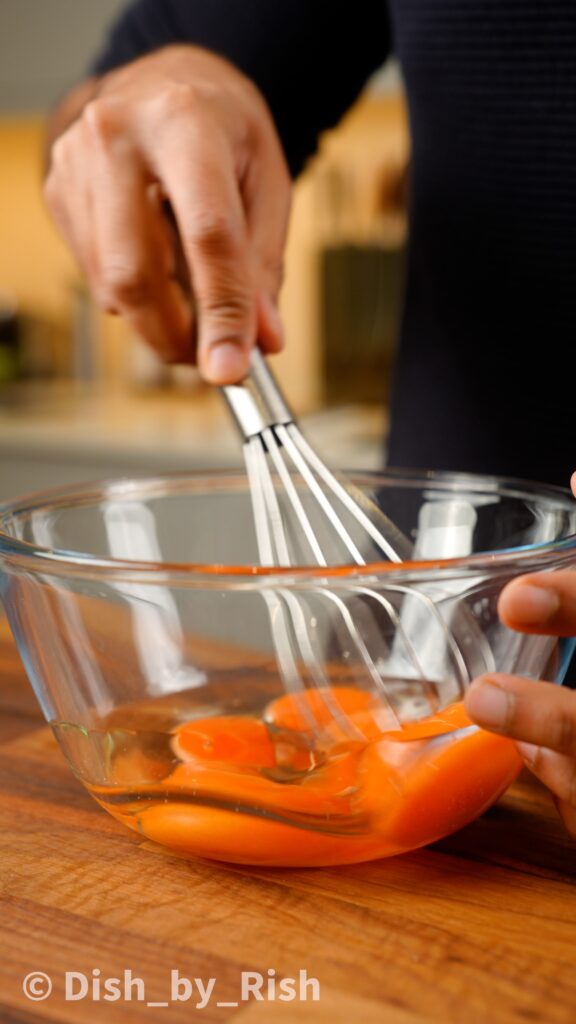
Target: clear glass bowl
(158, 652)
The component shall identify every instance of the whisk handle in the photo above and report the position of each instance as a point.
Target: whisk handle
(257, 402)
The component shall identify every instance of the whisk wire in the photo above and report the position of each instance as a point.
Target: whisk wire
(286, 436)
(298, 508)
(280, 466)
(351, 504)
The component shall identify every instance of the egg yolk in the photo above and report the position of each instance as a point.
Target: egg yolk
(323, 779)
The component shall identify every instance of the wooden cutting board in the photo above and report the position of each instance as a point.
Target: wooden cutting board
(479, 928)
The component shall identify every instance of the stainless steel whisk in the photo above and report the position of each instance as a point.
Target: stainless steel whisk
(315, 517)
(271, 436)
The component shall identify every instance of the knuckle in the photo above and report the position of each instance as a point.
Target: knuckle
(124, 286)
(212, 233)
(177, 98)
(230, 309)
(100, 116)
(59, 154)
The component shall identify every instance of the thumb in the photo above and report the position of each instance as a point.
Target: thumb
(543, 603)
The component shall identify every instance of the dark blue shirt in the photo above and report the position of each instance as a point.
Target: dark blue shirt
(486, 371)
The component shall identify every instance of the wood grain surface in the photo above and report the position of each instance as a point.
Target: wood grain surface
(479, 928)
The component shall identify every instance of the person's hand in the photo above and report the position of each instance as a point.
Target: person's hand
(179, 126)
(540, 716)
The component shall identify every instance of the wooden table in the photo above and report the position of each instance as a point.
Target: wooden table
(480, 928)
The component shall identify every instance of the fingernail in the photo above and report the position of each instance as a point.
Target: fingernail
(539, 604)
(528, 752)
(227, 362)
(488, 705)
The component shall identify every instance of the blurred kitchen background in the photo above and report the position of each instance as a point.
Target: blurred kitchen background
(80, 397)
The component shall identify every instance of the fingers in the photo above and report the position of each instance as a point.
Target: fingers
(116, 233)
(543, 714)
(134, 256)
(541, 718)
(67, 195)
(541, 603)
(558, 773)
(191, 125)
(195, 167)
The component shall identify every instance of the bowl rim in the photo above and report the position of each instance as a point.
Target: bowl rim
(22, 556)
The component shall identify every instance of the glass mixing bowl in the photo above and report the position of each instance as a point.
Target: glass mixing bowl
(283, 717)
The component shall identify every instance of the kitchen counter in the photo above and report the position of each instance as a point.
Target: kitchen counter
(478, 929)
(53, 435)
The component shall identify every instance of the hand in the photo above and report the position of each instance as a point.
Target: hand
(179, 126)
(541, 717)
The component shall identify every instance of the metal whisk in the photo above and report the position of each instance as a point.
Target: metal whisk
(304, 514)
(272, 440)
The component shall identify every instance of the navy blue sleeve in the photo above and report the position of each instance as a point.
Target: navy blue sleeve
(309, 58)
